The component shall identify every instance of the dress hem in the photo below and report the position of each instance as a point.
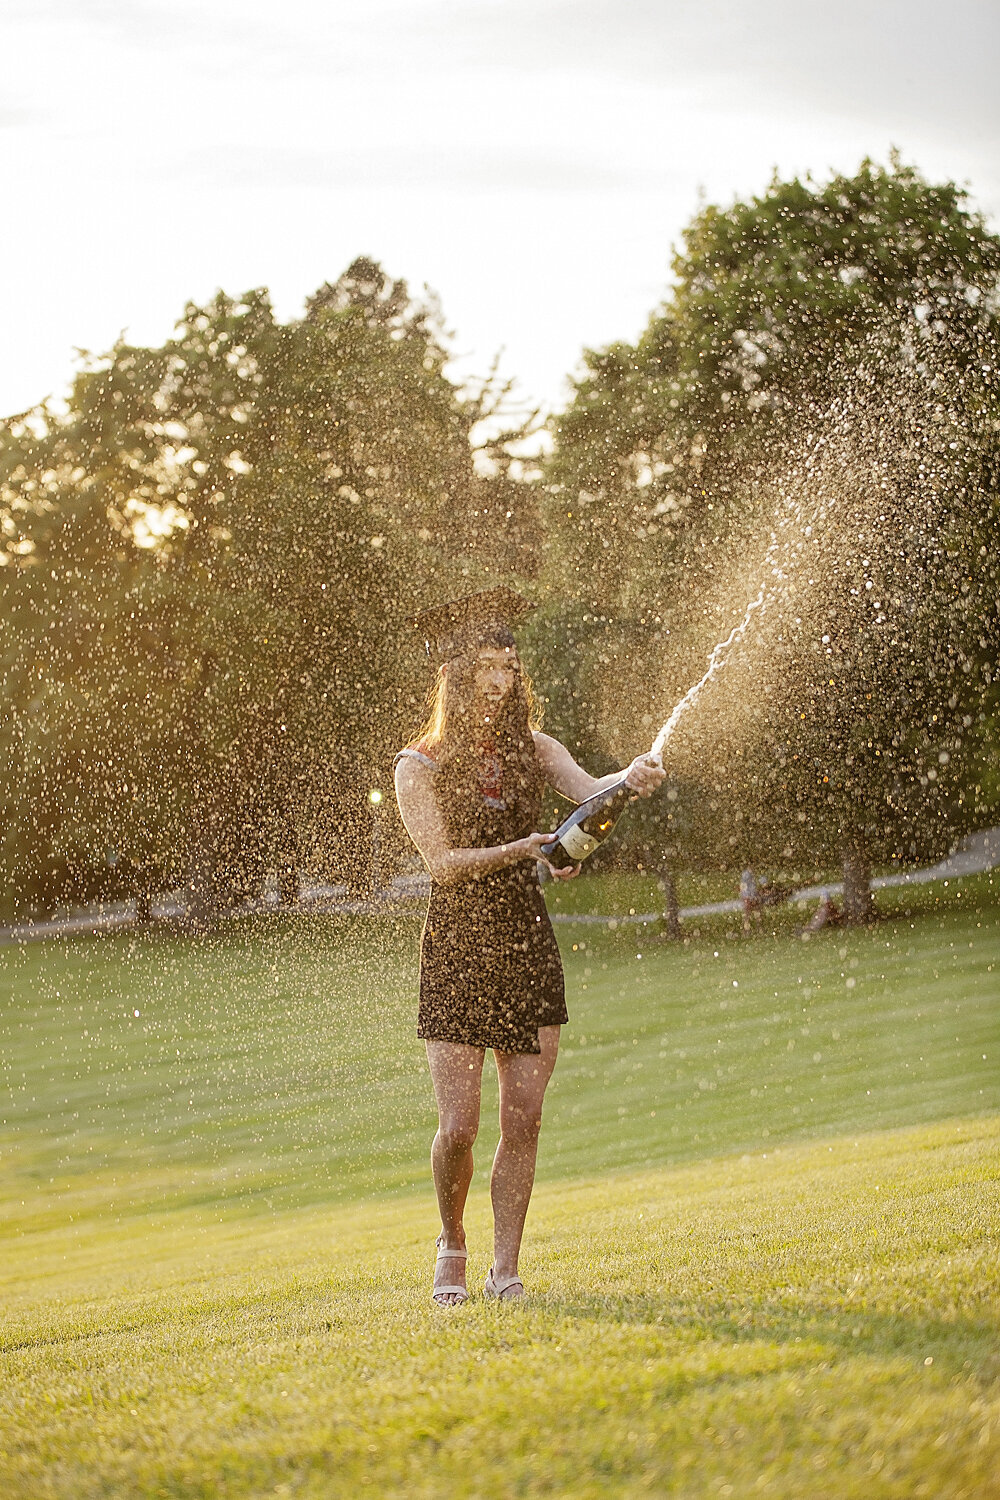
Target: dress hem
(485, 1046)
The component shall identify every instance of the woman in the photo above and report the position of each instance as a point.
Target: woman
(469, 792)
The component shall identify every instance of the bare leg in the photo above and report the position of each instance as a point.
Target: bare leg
(523, 1081)
(457, 1074)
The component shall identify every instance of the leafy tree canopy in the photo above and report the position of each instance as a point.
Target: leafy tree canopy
(210, 558)
(811, 416)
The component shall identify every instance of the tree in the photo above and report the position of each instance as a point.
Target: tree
(823, 371)
(218, 545)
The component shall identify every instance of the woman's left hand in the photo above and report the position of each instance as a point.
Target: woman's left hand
(645, 775)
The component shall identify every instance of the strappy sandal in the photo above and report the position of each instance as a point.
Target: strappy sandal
(454, 1290)
(498, 1289)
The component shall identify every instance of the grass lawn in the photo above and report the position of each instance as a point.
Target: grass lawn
(763, 1246)
(609, 891)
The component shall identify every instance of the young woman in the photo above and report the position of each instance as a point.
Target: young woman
(469, 792)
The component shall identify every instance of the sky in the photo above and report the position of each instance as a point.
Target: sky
(531, 161)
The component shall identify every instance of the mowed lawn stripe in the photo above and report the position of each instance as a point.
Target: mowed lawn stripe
(276, 1064)
(817, 1320)
(866, 1028)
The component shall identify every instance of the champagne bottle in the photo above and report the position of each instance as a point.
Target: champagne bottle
(588, 825)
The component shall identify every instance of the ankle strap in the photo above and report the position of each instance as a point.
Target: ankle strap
(502, 1284)
(443, 1254)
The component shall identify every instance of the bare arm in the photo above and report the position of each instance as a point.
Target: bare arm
(572, 781)
(418, 807)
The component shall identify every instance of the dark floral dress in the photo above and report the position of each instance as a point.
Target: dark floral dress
(490, 970)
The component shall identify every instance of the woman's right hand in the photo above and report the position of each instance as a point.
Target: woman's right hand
(533, 846)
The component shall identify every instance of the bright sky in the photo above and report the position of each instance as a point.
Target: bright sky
(533, 161)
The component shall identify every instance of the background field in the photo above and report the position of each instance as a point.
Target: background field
(767, 1196)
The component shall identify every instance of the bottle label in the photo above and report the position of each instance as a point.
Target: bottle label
(577, 843)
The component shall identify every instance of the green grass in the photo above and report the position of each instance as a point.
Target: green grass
(608, 891)
(767, 1197)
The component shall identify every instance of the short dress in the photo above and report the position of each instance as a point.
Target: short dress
(490, 970)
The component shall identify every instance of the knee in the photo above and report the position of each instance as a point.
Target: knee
(520, 1127)
(458, 1135)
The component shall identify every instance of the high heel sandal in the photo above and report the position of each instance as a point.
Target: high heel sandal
(458, 1292)
(498, 1289)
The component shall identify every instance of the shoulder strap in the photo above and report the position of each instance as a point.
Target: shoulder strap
(411, 753)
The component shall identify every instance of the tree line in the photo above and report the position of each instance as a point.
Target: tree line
(211, 552)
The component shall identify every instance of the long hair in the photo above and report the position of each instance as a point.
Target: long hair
(455, 737)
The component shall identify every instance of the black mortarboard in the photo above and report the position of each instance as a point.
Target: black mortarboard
(451, 629)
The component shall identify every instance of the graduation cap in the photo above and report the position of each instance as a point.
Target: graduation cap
(461, 625)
